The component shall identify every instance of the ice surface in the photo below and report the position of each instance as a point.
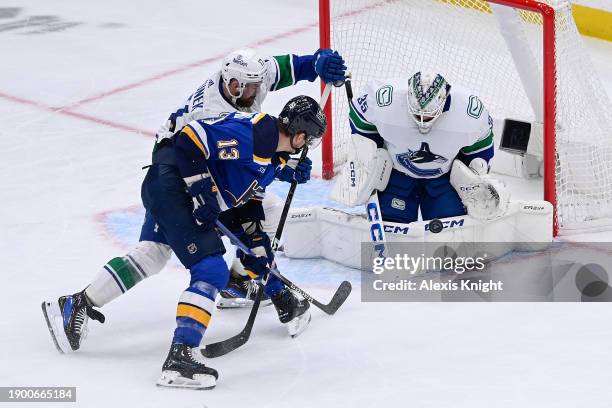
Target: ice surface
(80, 98)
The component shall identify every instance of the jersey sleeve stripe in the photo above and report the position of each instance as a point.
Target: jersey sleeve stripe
(257, 118)
(285, 71)
(261, 160)
(480, 145)
(359, 123)
(276, 74)
(189, 131)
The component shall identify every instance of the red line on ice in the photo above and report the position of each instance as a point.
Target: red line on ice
(82, 116)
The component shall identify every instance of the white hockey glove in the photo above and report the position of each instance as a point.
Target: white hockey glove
(484, 198)
(368, 168)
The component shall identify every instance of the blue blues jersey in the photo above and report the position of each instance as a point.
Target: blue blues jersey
(238, 151)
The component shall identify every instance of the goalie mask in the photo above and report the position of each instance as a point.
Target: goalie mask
(303, 114)
(246, 67)
(426, 98)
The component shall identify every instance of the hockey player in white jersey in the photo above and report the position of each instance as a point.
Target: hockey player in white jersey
(408, 134)
(241, 85)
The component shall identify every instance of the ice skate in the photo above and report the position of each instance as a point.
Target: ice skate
(292, 311)
(240, 292)
(184, 368)
(67, 320)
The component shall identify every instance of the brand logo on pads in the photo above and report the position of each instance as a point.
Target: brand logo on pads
(192, 248)
(533, 207)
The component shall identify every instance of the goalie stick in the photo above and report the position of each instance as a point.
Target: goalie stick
(377, 228)
(225, 346)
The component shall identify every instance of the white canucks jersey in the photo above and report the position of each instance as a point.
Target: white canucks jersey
(381, 113)
(208, 100)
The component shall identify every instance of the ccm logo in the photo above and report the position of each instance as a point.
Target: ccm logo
(449, 224)
(353, 175)
(396, 229)
(533, 208)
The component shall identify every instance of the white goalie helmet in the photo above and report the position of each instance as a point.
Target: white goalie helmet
(245, 66)
(426, 98)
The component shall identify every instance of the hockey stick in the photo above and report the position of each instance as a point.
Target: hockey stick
(373, 212)
(223, 347)
(330, 308)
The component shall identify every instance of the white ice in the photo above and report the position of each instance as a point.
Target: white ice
(78, 108)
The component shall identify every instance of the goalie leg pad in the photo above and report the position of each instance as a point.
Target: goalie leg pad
(368, 168)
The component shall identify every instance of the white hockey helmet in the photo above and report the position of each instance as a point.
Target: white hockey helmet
(426, 98)
(245, 66)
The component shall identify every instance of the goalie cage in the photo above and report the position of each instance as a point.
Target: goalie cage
(523, 58)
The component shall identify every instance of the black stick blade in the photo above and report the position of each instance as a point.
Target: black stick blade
(343, 292)
(223, 347)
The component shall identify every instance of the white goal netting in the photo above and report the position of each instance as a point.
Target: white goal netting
(463, 40)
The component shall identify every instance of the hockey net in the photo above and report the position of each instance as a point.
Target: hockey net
(501, 57)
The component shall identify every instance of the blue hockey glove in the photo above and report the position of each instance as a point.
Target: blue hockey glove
(208, 208)
(295, 170)
(329, 65)
(259, 242)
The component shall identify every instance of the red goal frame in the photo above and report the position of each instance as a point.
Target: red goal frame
(549, 82)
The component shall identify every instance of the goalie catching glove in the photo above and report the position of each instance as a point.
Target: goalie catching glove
(483, 197)
(367, 169)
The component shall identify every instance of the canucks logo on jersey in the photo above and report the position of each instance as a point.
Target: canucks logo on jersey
(413, 160)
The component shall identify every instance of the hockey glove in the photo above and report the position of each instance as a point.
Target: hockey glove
(295, 170)
(259, 242)
(329, 65)
(207, 209)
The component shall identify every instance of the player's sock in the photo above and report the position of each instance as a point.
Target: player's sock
(120, 274)
(67, 320)
(115, 278)
(292, 311)
(193, 313)
(184, 366)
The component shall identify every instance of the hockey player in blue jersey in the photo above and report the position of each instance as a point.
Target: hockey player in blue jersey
(221, 166)
(241, 85)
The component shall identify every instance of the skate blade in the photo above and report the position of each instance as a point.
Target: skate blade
(175, 380)
(55, 323)
(239, 303)
(299, 324)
